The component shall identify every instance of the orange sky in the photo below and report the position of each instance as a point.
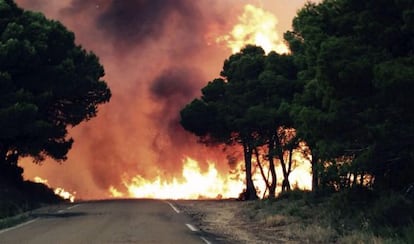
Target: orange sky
(157, 55)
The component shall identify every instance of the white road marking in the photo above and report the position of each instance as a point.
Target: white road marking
(68, 208)
(205, 240)
(33, 220)
(191, 227)
(18, 226)
(173, 207)
(74, 206)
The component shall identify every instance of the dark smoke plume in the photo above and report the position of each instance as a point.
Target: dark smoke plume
(135, 22)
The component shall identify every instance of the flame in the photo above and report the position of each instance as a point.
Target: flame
(206, 185)
(194, 185)
(256, 26)
(114, 192)
(38, 179)
(58, 190)
(65, 194)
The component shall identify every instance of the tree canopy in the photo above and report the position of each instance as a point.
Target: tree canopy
(356, 60)
(47, 83)
(248, 106)
(345, 90)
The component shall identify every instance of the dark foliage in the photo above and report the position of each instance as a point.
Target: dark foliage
(355, 59)
(24, 196)
(47, 84)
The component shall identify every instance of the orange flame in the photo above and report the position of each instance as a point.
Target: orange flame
(58, 190)
(256, 26)
(195, 185)
(205, 185)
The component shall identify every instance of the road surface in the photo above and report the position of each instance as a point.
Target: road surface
(111, 221)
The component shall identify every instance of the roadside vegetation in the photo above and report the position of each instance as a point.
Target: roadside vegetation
(17, 200)
(353, 216)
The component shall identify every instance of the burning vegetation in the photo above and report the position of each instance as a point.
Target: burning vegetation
(70, 196)
(137, 138)
(255, 26)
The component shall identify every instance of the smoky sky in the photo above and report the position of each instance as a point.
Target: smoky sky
(172, 89)
(173, 82)
(156, 60)
(134, 22)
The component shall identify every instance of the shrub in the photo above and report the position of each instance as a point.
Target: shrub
(393, 211)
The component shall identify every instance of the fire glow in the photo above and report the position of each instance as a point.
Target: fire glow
(256, 26)
(194, 185)
(58, 190)
(206, 185)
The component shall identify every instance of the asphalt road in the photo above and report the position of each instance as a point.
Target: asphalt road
(112, 221)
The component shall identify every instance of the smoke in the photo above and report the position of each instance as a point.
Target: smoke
(135, 22)
(157, 57)
(171, 90)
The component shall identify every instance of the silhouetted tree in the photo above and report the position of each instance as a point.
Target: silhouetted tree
(223, 107)
(47, 83)
(356, 60)
(250, 107)
(279, 85)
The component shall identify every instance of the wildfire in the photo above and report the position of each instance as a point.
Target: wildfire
(58, 191)
(194, 185)
(256, 26)
(210, 184)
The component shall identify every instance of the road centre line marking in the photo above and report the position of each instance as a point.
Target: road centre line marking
(68, 208)
(173, 207)
(18, 226)
(205, 240)
(74, 206)
(191, 227)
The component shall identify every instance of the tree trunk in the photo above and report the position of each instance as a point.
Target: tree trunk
(285, 182)
(361, 179)
(273, 184)
(265, 179)
(290, 161)
(250, 193)
(10, 172)
(315, 178)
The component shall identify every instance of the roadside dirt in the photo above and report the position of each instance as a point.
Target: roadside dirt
(235, 222)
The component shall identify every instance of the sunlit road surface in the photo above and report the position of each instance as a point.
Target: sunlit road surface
(112, 221)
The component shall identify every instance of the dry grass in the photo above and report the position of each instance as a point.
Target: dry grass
(317, 234)
(357, 237)
(276, 220)
(297, 219)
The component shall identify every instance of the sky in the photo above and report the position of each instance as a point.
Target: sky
(157, 55)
